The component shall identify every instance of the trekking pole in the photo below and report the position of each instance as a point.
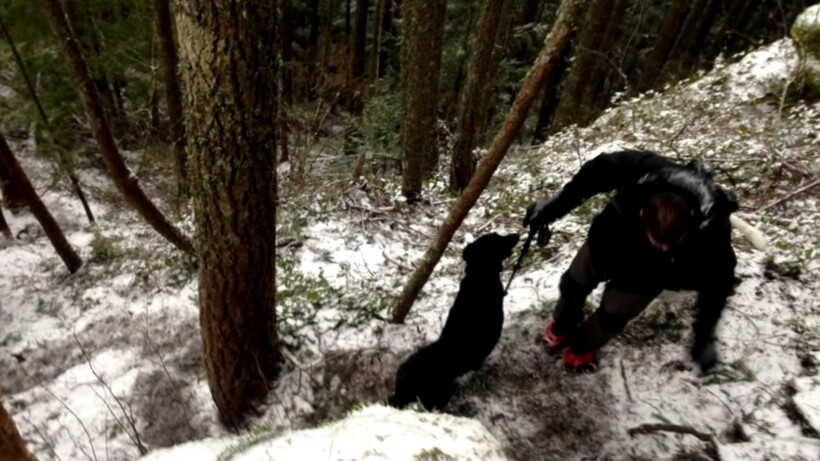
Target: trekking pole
(544, 235)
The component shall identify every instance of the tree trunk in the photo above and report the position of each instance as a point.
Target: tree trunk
(12, 196)
(652, 65)
(230, 84)
(585, 54)
(421, 62)
(692, 34)
(737, 16)
(12, 446)
(549, 101)
(18, 177)
(556, 41)
(4, 227)
(313, 49)
(475, 97)
(595, 97)
(530, 12)
(173, 94)
(383, 38)
(126, 182)
(288, 36)
(62, 159)
(357, 63)
(79, 19)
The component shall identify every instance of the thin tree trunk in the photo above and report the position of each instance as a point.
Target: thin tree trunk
(12, 197)
(18, 177)
(653, 64)
(737, 16)
(558, 38)
(125, 181)
(12, 446)
(474, 100)
(530, 12)
(384, 44)
(230, 77)
(4, 227)
(569, 109)
(550, 98)
(605, 64)
(357, 64)
(699, 20)
(313, 49)
(62, 160)
(173, 93)
(288, 35)
(421, 62)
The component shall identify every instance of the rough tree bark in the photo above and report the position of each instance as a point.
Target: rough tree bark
(230, 96)
(126, 183)
(62, 159)
(475, 96)
(556, 41)
(12, 446)
(18, 177)
(173, 93)
(421, 62)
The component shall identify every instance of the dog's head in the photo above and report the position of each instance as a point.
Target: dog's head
(490, 250)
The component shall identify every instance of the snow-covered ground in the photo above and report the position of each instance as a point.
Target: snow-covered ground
(106, 363)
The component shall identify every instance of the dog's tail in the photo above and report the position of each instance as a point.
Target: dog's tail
(752, 234)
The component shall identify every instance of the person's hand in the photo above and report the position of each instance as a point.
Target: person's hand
(704, 352)
(538, 214)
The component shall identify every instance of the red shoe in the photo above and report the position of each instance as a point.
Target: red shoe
(554, 341)
(580, 362)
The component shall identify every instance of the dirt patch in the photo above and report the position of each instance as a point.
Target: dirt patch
(348, 379)
(164, 408)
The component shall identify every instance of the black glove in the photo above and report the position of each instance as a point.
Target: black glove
(539, 213)
(704, 352)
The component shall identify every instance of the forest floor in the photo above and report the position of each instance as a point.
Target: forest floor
(101, 363)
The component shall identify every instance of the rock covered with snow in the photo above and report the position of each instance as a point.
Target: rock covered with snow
(806, 33)
(375, 433)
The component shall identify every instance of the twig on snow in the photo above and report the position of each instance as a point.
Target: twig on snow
(790, 195)
(652, 428)
(126, 409)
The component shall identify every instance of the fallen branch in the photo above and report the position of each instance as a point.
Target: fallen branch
(791, 195)
(652, 428)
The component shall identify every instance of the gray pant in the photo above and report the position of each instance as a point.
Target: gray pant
(617, 307)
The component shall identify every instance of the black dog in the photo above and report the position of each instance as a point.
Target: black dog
(471, 332)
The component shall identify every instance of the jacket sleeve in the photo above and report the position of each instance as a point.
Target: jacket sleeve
(721, 280)
(604, 173)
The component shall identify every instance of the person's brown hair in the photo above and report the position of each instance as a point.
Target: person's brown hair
(667, 217)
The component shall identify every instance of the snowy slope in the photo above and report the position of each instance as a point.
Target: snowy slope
(97, 365)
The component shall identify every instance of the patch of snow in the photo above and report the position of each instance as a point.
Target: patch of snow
(375, 433)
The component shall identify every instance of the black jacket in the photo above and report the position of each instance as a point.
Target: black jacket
(704, 261)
